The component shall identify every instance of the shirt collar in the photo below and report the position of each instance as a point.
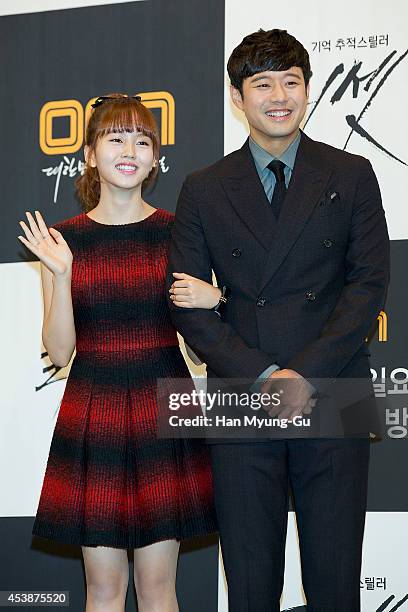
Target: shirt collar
(262, 158)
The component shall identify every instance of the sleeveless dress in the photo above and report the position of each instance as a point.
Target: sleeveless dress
(110, 481)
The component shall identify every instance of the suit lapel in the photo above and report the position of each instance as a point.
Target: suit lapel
(309, 180)
(246, 194)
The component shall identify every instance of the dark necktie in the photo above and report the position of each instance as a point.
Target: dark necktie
(279, 193)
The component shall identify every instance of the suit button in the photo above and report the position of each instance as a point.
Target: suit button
(236, 253)
(327, 243)
(261, 302)
(310, 296)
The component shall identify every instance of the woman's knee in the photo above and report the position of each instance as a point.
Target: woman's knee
(154, 585)
(107, 588)
(155, 569)
(107, 573)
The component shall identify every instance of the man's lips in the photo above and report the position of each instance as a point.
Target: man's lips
(279, 115)
(126, 168)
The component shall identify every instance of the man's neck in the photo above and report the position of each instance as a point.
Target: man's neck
(275, 146)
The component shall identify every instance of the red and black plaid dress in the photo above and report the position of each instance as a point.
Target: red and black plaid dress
(110, 481)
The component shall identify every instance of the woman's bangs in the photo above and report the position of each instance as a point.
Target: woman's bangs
(125, 117)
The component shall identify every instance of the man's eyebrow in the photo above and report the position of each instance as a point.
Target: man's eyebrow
(260, 77)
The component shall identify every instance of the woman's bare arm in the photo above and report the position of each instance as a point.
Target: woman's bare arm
(58, 332)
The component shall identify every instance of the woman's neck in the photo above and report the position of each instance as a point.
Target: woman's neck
(120, 207)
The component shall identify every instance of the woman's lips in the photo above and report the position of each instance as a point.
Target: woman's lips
(126, 168)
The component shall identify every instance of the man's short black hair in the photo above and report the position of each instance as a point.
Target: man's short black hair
(267, 50)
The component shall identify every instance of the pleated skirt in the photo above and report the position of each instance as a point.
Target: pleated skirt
(110, 481)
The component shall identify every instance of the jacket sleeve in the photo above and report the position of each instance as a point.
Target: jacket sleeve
(215, 341)
(363, 295)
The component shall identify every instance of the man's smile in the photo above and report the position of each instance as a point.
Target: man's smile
(279, 115)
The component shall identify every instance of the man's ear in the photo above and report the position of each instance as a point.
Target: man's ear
(89, 156)
(236, 97)
(308, 90)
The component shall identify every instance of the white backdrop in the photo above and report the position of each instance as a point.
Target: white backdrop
(319, 21)
(27, 417)
(385, 119)
(386, 539)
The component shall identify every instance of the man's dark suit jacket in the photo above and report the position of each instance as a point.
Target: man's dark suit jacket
(306, 289)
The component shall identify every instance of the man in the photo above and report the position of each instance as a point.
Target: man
(296, 230)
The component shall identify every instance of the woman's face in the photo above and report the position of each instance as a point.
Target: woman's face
(123, 159)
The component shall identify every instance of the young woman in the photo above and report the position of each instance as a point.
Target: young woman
(110, 483)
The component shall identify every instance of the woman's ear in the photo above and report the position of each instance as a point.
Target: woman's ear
(89, 157)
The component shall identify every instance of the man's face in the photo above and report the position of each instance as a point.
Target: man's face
(274, 103)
